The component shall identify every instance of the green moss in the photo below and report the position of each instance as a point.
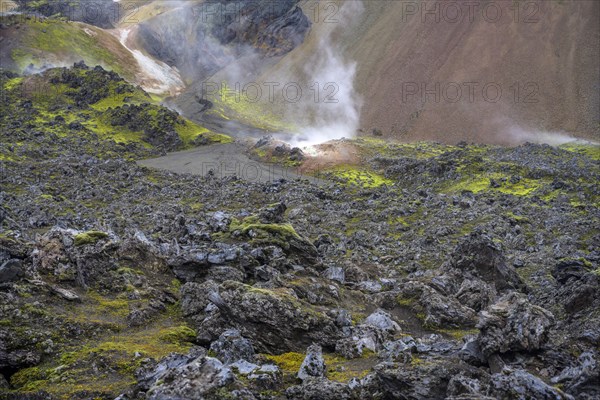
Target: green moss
(471, 185)
(13, 83)
(120, 134)
(129, 271)
(176, 284)
(405, 302)
(589, 150)
(518, 218)
(342, 370)
(287, 362)
(189, 131)
(417, 361)
(339, 369)
(89, 237)
(29, 379)
(586, 263)
(8, 157)
(177, 334)
(398, 221)
(120, 357)
(345, 375)
(118, 99)
(279, 234)
(73, 40)
(280, 230)
(35, 310)
(522, 188)
(116, 307)
(358, 176)
(482, 182)
(458, 334)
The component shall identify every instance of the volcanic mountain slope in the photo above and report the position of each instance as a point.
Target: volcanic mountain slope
(544, 56)
(475, 266)
(409, 70)
(34, 43)
(201, 38)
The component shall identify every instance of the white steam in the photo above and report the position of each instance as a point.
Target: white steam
(335, 112)
(517, 134)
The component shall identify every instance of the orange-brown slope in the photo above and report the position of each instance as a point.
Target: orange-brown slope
(551, 53)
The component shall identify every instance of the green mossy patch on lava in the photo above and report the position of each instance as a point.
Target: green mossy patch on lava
(89, 237)
(357, 176)
(92, 102)
(120, 355)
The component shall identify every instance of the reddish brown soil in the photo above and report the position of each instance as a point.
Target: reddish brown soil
(554, 48)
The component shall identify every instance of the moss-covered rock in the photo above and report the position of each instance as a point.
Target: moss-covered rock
(89, 237)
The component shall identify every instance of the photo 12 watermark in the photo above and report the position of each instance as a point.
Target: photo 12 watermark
(460, 11)
(287, 92)
(469, 92)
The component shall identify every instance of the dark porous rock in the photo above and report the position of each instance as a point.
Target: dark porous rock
(313, 365)
(382, 320)
(3, 382)
(583, 379)
(362, 337)
(439, 310)
(569, 270)
(88, 258)
(476, 294)
(319, 389)
(141, 316)
(520, 384)
(335, 274)
(11, 271)
(343, 318)
(578, 286)
(581, 297)
(219, 221)
(195, 298)
(265, 273)
(272, 213)
(274, 320)
(151, 372)
(17, 352)
(466, 387)
(138, 250)
(423, 381)
(399, 350)
(232, 347)
(222, 273)
(471, 353)
(195, 379)
(13, 247)
(190, 267)
(443, 311)
(513, 324)
(479, 255)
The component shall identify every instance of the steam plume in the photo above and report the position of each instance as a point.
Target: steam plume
(337, 111)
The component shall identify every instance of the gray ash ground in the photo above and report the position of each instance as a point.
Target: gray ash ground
(471, 272)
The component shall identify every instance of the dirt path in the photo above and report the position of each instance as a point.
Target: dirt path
(225, 160)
